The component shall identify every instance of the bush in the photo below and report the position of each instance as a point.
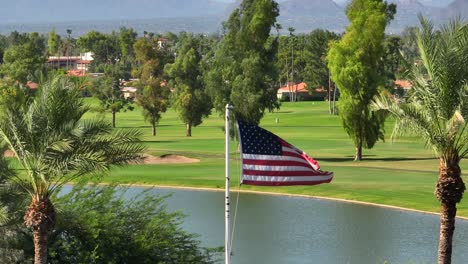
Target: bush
(97, 225)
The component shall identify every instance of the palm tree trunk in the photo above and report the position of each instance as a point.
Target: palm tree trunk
(189, 129)
(449, 192)
(447, 226)
(40, 246)
(40, 217)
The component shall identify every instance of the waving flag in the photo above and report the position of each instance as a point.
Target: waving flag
(270, 161)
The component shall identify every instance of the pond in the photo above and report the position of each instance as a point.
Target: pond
(283, 229)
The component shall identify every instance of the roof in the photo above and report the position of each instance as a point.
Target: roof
(74, 72)
(84, 61)
(63, 58)
(32, 85)
(300, 88)
(129, 89)
(405, 84)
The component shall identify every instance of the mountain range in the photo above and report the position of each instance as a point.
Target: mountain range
(197, 15)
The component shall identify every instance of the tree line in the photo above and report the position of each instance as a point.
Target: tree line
(184, 70)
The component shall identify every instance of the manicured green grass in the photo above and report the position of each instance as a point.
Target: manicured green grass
(401, 173)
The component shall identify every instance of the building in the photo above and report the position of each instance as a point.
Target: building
(81, 62)
(291, 89)
(401, 88)
(162, 43)
(129, 92)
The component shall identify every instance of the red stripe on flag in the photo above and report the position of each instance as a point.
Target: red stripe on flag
(263, 183)
(276, 163)
(281, 173)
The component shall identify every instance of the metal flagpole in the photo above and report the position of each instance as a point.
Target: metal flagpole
(227, 233)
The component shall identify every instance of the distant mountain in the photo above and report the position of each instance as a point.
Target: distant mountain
(407, 14)
(28, 11)
(291, 8)
(306, 15)
(201, 16)
(457, 8)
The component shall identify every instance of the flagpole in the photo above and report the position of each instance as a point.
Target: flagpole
(227, 228)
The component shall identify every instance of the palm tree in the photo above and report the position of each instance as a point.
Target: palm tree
(54, 145)
(436, 110)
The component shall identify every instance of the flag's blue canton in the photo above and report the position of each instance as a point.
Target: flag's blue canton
(256, 140)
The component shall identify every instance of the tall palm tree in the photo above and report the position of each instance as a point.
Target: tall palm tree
(436, 110)
(54, 145)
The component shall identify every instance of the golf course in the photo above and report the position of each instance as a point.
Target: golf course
(400, 172)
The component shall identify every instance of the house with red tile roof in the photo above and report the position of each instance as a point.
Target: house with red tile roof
(404, 84)
(32, 85)
(300, 92)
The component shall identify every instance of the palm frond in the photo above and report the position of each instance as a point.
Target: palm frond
(55, 146)
(438, 105)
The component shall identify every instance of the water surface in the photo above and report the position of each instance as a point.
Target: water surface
(292, 230)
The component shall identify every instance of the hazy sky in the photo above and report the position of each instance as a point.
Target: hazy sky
(428, 2)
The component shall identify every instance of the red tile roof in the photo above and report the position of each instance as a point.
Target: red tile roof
(403, 84)
(74, 72)
(32, 85)
(84, 61)
(300, 88)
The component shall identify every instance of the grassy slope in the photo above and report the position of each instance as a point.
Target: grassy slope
(401, 173)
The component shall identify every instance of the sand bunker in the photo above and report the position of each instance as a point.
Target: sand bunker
(148, 159)
(165, 159)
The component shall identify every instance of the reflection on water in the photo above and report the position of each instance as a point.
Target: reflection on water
(279, 230)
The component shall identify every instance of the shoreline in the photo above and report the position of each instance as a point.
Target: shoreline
(284, 194)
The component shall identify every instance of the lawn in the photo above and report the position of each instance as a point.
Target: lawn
(400, 173)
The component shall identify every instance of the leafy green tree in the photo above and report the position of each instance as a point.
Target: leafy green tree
(186, 75)
(105, 47)
(392, 60)
(316, 72)
(107, 90)
(153, 101)
(436, 112)
(127, 37)
(54, 42)
(100, 225)
(242, 70)
(409, 44)
(354, 63)
(2, 51)
(149, 58)
(53, 146)
(25, 61)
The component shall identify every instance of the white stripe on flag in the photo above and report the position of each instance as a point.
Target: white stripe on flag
(273, 157)
(276, 168)
(293, 150)
(287, 178)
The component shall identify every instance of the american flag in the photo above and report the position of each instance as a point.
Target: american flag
(268, 160)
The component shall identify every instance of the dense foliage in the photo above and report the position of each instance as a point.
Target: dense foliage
(242, 70)
(190, 97)
(103, 225)
(53, 146)
(354, 63)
